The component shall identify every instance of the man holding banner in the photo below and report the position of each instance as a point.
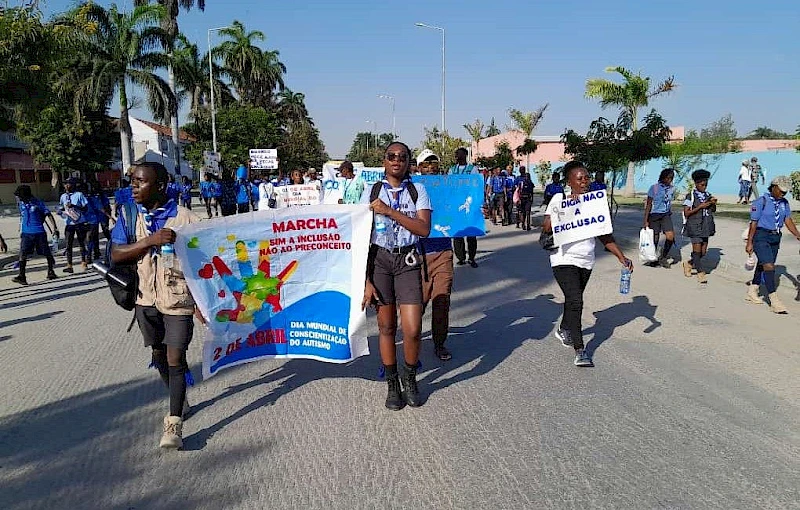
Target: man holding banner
(575, 222)
(464, 255)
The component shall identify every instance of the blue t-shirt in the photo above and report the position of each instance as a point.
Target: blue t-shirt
(242, 196)
(94, 212)
(205, 189)
(395, 235)
(662, 198)
(216, 189)
(254, 192)
(77, 202)
(32, 215)
(437, 244)
(497, 183)
(510, 183)
(123, 195)
(553, 188)
(770, 212)
(186, 192)
(173, 190)
(154, 221)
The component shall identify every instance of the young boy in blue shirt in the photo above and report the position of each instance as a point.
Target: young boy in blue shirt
(33, 214)
(73, 207)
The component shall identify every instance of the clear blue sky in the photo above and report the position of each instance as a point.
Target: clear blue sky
(727, 56)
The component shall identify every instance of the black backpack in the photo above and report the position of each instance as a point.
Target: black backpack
(412, 191)
(123, 279)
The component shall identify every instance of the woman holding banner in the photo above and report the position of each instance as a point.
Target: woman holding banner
(402, 214)
(572, 265)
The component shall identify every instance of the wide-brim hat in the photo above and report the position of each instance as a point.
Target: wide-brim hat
(782, 182)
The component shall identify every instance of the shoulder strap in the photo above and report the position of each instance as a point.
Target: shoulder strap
(412, 190)
(131, 214)
(375, 192)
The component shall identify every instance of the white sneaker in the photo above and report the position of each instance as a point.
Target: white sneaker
(173, 433)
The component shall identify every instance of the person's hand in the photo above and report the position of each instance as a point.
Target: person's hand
(370, 296)
(199, 315)
(379, 207)
(646, 224)
(628, 263)
(162, 237)
(749, 247)
(713, 200)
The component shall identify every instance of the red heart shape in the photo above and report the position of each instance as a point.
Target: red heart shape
(221, 293)
(206, 272)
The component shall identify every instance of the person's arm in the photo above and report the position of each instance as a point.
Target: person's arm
(792, 227)
(121, 253)
(648, 206)
(419, 226)
(755, 215)
(611, 245)
(51, 222)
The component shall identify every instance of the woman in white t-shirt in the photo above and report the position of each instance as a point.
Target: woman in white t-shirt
(572, 265)
(266, 195)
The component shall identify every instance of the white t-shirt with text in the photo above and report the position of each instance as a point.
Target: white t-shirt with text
(579, 253)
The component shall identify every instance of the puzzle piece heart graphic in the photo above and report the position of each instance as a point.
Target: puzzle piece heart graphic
(206, 272)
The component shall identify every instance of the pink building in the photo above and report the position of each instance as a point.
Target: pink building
(549, 148)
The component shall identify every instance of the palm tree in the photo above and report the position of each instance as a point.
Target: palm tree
(525, 123)
(169, 23)
(191, 77)
(635, 92)
(475, 130)
(120, 49)
(492, 129)
(292, 107)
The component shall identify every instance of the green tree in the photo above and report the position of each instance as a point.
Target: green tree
(544, 170)
(302, 148)
(121, 49)
(766, 133)
(369, 147)
(239, 129)
(475, 130)
(292, 107)
(492, 130)
(443, 145)
(169, 23)
(525, 123)
(503, 156)
(633, 93)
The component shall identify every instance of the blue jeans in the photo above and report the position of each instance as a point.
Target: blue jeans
(744, 189)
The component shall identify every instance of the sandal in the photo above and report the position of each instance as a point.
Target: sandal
(442, 353)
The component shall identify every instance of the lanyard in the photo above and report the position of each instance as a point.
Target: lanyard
(395, 204)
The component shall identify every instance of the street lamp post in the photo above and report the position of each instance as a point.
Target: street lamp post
(211, 84)
(375, 128)
(423, 25)
(390, 98)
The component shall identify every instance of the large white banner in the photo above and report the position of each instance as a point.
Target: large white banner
(299, 194)
(581, 218)
(280, 283)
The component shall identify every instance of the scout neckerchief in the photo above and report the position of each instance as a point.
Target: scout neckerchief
(703, 197)
(154, 217)
(667, 198)
(778, 210)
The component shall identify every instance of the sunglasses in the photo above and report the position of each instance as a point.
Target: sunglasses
(397, 156)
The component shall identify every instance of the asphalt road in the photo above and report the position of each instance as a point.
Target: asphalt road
(693, 403)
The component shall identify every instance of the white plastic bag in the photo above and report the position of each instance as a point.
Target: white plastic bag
(647, 249)
(750, 263)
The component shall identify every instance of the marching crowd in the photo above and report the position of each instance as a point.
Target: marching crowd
(406, 270)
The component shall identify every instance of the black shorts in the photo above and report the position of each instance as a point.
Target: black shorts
(30, 244)
(699, 240)
(159, 329)
(660, 222)
(395, 281)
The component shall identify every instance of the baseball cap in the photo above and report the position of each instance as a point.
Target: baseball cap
(782, 182)
(425, 155)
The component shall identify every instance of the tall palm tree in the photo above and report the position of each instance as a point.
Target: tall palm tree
(475, 130)
(635, 92)
(191, 77)
(292, 107)
(525, 123)
(121, 49)
(244, 62)
(169, 22)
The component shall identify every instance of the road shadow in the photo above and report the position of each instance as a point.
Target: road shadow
(488, 342)
(608, 320)
(45, 294)
(69, 453)
(32, 318)
(780, 273)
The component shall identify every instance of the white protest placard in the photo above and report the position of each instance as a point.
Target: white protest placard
(334, 190)
(211, 162)
(299, 194)
(581, 218)
(264, 159)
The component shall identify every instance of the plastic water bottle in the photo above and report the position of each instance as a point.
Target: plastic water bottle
(625, 281)
(168, 256)
(54, 245)
(381, 229)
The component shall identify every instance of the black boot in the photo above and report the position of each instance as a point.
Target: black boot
(393, 399)
(410, 390)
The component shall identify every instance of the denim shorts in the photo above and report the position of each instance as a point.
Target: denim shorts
(33, 243)
(766, 245)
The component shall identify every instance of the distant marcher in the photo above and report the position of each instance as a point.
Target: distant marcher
(254, 194)
(599, 181)
(353, 186)
(554, 188)
(699, 208)
(768, 215)
(205, 192)
(173, 189)
(438, 283)
(312, 179)
(101, 207)
(756, 174)
(496, 194)
(228, 194)
(33, 216)
(525, 187)
(164, 310)
(572, 265)
(466, 248)
(122, 195)
(216, 194)
(744, 182)
(658, 214)
(186, 193)
(296, 177)
(91, 219)
(394, 274)
(508, 205)
(243, 196)
(266, 195)
(281, 179)
(72, 207)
